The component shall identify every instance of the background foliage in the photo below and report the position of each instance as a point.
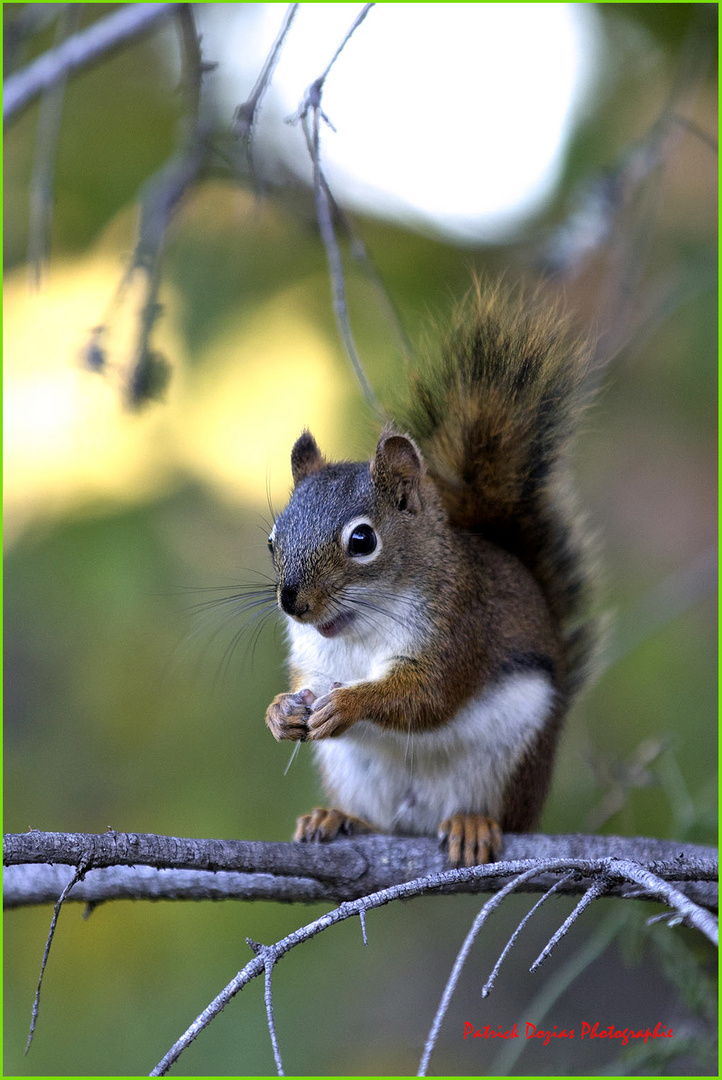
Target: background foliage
(125, 707)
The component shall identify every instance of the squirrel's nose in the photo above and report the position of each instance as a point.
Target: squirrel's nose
(289, 601)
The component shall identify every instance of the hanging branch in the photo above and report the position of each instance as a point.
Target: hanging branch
(30, 20)
(461, 958)
(244, 117)
(79, 51)
(46, 149)
(556, 984)
(150, 371)
(311, 106)
(77, 876)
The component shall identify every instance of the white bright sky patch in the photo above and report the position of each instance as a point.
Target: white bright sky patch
(450, 116)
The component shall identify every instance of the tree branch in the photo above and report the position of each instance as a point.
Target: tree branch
(146, 866)
(602, 873)
(595, 866)
(79, 51)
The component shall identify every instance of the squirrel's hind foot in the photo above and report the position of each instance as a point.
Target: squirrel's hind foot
(322, 825)
(472, 839)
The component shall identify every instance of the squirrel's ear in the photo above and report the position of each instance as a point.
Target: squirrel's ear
(306, 458)
(398, 468)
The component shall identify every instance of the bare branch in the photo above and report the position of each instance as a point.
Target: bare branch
(17, 31)
(655, 887)
(600, 203)
(356, 23)
(41, 883)
(604, 871)
(359, 252)
(79, 51)
(358, 861)
(311, 104)
(333, 255)
(245, 115)
(149, 371)
(344, 870)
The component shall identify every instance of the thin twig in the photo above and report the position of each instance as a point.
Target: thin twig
(671, 918)
(77, 876)
(245, 115)
(79, 51)
(268, 998)
(453, 979)
(356, 23)
(311, 105)
(489, 984)
(620, 301)
(30, 20)
(601, 202)
(504, 1064)
(595, 890)
(333, 257)
(359, 252)
(694, 129)
(362, 919)
(656, 887)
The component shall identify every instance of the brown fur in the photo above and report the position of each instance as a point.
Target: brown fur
(494, 416)
(476, 512)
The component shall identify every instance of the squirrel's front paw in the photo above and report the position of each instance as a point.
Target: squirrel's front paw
(473, 839)
(287, 715)
(331, 714)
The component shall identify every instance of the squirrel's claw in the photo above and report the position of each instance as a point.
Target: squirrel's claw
(321, 825)
(472, 839)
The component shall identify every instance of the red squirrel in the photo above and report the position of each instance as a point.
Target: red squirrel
(438, 597)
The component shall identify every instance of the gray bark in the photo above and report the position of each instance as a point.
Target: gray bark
(145, 866)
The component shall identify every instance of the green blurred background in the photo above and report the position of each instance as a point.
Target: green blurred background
(131, 703)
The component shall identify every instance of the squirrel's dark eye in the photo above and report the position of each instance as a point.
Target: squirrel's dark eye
(270, 545)
(362, 540)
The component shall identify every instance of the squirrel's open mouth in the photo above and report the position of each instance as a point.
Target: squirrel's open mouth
(335, 626)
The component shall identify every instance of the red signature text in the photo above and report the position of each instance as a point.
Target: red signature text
(588, 1031)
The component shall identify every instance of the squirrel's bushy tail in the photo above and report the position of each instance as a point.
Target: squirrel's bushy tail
(494, 416)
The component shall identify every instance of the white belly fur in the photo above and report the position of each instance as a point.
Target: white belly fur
(410, 783)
